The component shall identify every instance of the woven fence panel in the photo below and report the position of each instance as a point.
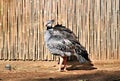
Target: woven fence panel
(96, 23)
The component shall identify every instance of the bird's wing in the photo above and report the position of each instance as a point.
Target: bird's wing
(81, 52)
(58, 43)
(65, 32)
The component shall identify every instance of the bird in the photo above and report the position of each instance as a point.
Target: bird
(61, 41)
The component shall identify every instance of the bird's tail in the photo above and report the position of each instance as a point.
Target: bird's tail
(82, 59)
(82, 54)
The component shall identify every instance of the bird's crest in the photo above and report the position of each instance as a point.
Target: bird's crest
(49, 23)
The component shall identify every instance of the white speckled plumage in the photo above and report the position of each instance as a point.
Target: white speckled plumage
(62, 41)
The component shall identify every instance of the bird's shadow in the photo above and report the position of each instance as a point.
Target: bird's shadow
(77, 66)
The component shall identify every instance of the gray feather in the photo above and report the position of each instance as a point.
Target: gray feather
(62, 41)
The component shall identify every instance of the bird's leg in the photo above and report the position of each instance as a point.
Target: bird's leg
(65, 63)
(61, 62)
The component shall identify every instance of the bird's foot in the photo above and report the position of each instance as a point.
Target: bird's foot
(62, 70)
(59, 70)
(65, 70)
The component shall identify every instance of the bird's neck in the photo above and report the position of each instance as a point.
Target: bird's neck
(49, 27)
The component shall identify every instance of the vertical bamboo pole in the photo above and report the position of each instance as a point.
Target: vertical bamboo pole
(1, 28)
(116, 3)
(98, 30)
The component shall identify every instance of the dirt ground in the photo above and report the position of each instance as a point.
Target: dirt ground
(47, 71)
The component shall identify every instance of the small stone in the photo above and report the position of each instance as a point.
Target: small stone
(8, 67)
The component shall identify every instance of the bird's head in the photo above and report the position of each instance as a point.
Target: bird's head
(49, 23)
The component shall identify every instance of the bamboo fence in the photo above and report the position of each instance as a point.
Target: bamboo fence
(95, 22)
